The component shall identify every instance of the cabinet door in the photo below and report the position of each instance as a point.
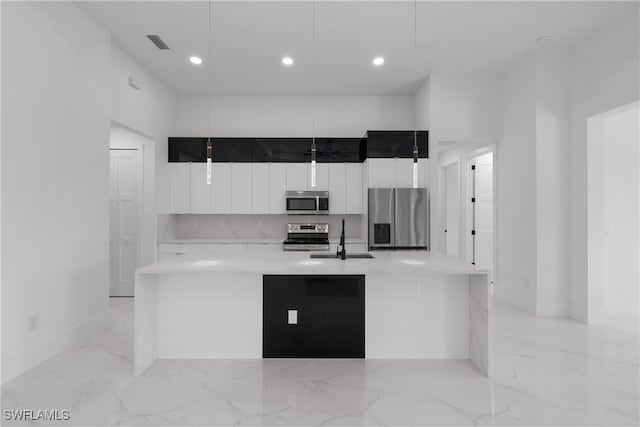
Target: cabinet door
(381, 173)
(241, 188)
(423, 172)
(322, 177)
(179, 188)
(221, 188)
(224, 247)
(313, 316)
(200, 190)
(260, 188)
(404, 173)
(353, 188)
(337, 187)
(297, 176)
(277, 187)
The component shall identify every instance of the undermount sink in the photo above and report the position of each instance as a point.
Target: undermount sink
(349, 256)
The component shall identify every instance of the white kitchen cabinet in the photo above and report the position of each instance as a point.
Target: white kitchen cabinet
(277, 187)
(395, 173)
(353, 188)
(404, 173)
(381, 173)
(179, 188)
(322, 177)
(337, 187)
(221, 188)
(200, 193)
(241, 181)
(260, 188)
(297, 176)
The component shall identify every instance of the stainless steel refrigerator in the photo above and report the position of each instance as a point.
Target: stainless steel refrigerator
(398, 218)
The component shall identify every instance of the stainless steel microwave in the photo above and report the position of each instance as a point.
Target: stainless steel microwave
(307, 202)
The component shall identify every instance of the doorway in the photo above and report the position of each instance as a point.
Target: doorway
(124, 211)
(480, 208)
(613, 213)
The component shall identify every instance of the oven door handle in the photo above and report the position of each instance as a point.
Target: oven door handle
(317, 204)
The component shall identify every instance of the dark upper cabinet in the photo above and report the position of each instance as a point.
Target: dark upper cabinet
(340, 150)
(391, 143)
(232, 150)
(187, 149)
(293, 150)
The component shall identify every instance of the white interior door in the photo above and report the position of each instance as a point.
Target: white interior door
(483, 211)
(123, 200)
(452, 209)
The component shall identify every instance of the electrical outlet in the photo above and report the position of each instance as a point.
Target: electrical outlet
(526, 283)
(33, 323)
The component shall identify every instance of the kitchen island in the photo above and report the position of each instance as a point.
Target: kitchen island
(415, 305)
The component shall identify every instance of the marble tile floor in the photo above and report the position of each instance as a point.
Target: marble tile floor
(551, 372)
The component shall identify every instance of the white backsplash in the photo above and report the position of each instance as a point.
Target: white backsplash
(256, 226)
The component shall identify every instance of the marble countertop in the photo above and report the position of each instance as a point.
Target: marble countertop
(239, 240)
(385, 262)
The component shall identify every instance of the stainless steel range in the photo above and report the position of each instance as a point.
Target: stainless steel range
(307, 237)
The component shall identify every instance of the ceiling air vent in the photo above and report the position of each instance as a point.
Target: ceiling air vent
(160, 44)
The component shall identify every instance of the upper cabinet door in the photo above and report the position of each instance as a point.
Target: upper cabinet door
(179, 188)
(322, 177)
(241, 180)
(260, 188)
(404, 173)
(381, 173)
(337, 187)
(200, 190)
(221, 188)
(277, 187)
(297, 178)
(353, 188)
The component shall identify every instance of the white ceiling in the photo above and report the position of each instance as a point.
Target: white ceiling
(249, 38)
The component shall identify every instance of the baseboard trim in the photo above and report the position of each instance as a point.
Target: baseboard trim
(18, 364)
(553, 309)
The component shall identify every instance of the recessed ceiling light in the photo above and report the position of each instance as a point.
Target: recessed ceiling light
(543, 39)
(287, 60)
(378, 60)
(196, 60)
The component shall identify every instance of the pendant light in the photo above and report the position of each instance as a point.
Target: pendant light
(209, 142)
(313, 100)
(415, 133)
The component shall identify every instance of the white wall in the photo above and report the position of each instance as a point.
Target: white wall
(552, 182)
(151, 111)
(604, 71)
(55, 180)
(515, 164)
(621, 141)
(465, 106)
(292, 116)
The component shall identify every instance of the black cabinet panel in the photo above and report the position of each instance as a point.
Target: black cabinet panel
(391, 143)
(330, 316)
(187, 149)
(295, 150)
(340, 150)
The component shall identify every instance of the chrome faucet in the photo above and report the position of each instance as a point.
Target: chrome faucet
(342, 253)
